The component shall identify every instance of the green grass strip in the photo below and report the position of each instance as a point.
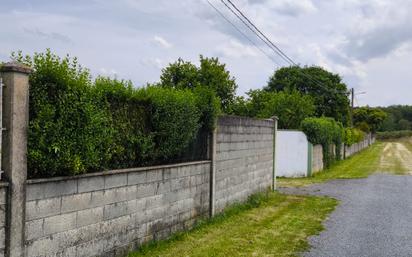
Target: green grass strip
(360, 165)
(270, 224)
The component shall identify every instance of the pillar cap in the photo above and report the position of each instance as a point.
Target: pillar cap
(15, 67)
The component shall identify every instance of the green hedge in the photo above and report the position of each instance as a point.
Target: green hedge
(393, 134)
(78, 126)
(150, 124)
(353, 136)
(325, 131)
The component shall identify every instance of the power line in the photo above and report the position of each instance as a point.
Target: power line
(251, 29)
(242, 33)
(256, 31)
(268, 42)
(261, 33)
(271, 45)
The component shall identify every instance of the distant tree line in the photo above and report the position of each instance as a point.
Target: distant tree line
(399, 117)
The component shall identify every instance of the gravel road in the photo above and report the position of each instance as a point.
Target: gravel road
(374, 217)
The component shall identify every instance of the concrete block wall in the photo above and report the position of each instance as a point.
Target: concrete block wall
(108, 214)
(3, 204)
(244, 159)
(355, 148)
(317, 158)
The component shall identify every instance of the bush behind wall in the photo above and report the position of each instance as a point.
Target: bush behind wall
(327, 132)
(77, 126)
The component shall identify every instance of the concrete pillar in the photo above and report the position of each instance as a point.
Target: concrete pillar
(212, 177)
(310, 160)
(14, 151)
(275, 131)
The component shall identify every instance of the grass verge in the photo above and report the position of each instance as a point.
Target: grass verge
(270, 224)
(360, 165)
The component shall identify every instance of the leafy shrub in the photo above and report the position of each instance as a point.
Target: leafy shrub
(290, 107)
(330, 95)
(209, 107)
(393, 134)
(174, 119)
(78, 126)
(211, 74)
(353, 136)
(325, 131)
(369, 119)
(68, 133)
(132, 141)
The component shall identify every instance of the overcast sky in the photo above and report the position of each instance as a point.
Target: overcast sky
(368, 42)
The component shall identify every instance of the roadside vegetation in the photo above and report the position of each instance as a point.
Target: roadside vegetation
(80, 124)
(360, 165)
(270, 224)
(391, 156)
(390, 135)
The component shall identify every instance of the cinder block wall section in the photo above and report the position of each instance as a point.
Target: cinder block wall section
(244, 158)
(107, 214)
(317, 158)
(3, 203)
(351, 150)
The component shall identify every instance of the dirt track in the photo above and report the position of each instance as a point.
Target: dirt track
(397, 156)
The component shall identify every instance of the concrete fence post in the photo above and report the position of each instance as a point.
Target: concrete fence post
(310, 160)
(14, 151)
(212, 176)
(275, 130)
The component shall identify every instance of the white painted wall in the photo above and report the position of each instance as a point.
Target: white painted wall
(291, 154)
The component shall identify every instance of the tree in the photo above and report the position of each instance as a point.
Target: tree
(214, 75)
(326, 88)
(389, 124)
(291, 108)
(399, 118)
(211, 74)
(368, 119)
(180, 75)
(404, 124)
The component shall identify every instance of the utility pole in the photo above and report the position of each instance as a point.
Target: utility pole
(352, 97)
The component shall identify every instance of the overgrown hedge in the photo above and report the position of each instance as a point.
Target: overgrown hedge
(393, 134)
(353, 136)
(327, 132)
(78, 126)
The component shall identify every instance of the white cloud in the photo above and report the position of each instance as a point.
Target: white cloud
(108, 72)
(235, 49)
(160, 41)
(369, 42)
(48, 35)
(293, 7)
(154, 62)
